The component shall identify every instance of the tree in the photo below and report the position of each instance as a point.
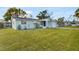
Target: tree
(60, 21)
(43, 15)
(11, 11)
(77, 13)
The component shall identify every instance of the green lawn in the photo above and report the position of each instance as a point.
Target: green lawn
(39, 40)
(71, 27)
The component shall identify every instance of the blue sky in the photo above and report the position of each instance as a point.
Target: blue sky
(57, 11)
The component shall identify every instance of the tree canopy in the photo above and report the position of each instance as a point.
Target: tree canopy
(60, 21)
(11, 11)
(77, 13)
(43, 15)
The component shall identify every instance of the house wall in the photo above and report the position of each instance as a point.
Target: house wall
(42, 25)
(54, 24)
(51, 24)
(31, 24)
(14, 24)
(28, 25)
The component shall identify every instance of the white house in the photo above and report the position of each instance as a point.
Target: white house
(30, 23)
(23, 23)
(47, 23)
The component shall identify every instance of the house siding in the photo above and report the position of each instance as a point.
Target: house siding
(14, 23)
(31, 24)
(49, 24)
(28, 25)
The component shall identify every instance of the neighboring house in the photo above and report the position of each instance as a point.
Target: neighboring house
(67, 23)
(7, 24)
(30, 23)
(76, 23)
(1, 23)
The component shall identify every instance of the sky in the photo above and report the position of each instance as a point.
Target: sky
(55, 11)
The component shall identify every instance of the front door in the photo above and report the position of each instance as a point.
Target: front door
(43, 23)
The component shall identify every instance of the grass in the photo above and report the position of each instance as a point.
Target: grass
(39, 40)
(71, 27)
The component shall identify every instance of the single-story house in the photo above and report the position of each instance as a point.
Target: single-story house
(1, 23)
(67, 23)
(30, 23)
(47, 23)
(7, 24)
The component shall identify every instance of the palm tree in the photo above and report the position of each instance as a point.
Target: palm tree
(43, 15)
(21, 12)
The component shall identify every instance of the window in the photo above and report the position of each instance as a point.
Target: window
(23, 22)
